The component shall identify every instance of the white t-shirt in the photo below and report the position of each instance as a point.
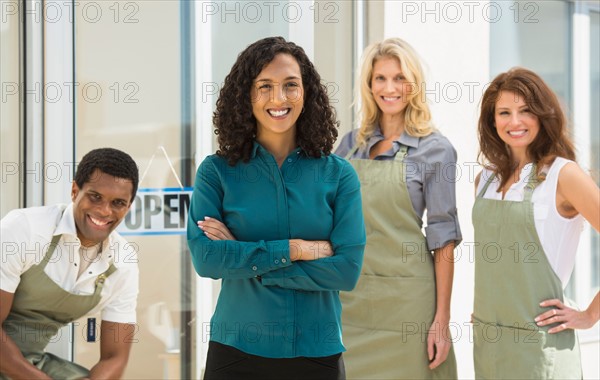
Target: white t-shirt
(26, 234)
(559, 235)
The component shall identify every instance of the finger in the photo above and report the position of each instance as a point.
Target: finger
(211, 236)
(546, 315)
(558, 328)
(435, 363)
(440, 355)
(553, 302)
(430, 346)
(217, 228)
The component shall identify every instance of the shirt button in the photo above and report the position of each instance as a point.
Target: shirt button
(284, 261)
(276, 261)
(289, 160)
(254, 267)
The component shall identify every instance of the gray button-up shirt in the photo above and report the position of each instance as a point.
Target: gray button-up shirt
(430, 177)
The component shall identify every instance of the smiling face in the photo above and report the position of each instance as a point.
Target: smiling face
(515, 124)
(277, 98)
(99, 206)
(389, 86)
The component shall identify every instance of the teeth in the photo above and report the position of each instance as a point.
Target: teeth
(279, 113)
(98, 222)
(517, 133)
(390, 99)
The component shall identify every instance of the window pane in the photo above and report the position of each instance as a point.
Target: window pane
(515, 41)
(10, 108)
(128, 70)
(595, 133)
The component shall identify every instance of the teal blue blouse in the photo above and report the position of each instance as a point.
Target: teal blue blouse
(268, 305)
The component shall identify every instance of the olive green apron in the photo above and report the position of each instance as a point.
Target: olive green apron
(512, 276)
(40, 308)
(387, 317)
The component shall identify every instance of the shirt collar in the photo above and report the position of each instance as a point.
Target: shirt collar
(404, 139)
(66, 226)
(256, 147)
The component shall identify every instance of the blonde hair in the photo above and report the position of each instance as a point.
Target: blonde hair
(417, 117)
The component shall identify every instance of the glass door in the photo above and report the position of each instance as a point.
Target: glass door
(133, 78)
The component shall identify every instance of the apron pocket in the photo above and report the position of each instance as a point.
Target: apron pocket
(512, 353)
(402, 304)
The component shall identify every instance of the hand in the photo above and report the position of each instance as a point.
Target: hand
(438, 343)
(215, 229)
(307, 250)
(568, 318)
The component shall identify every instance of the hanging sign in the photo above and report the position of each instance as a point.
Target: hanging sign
(158, 212)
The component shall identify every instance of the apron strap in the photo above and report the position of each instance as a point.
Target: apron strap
(99, 280)
(50, 251)
(351, 152)
(401, 153)
(533, 181)
(102, 277)
(487, 184)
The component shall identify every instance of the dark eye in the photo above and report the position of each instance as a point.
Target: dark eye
(120, 203)
(265, 86)
(95, 197)
(291, 84)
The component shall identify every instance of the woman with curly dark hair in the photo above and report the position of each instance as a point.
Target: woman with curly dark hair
(278, 219)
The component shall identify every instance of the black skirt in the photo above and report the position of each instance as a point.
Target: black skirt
(228, 363)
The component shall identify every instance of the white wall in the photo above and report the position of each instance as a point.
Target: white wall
(453, 41)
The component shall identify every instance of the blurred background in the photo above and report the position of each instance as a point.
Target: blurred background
(143, 76)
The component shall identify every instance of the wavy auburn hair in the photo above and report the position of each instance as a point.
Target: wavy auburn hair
(551, 141)
(235, 124)
(417, 117)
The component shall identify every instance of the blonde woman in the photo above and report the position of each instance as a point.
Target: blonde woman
(395, 323)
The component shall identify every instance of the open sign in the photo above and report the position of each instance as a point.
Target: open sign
(158, 212)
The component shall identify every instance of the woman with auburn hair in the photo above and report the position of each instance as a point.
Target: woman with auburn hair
(531, 201)
(278, 219)
(396, 321)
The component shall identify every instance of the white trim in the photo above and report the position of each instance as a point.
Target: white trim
(57, 95)
(59, 98)
(34, 107)
(205, 88)
(581, 131)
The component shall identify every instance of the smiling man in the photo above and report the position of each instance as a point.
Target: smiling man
(62, 262)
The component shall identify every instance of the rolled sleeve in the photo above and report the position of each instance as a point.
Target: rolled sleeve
(439, 190)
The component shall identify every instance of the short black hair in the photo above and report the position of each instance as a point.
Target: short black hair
(110, 161)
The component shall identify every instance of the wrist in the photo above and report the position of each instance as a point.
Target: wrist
(295, 250)
(442, 316)
(593, 313)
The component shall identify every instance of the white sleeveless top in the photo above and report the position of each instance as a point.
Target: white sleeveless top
(559, 236)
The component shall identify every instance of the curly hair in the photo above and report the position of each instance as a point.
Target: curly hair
(110, 161)
(235, 124)
(417, 116)
(551, 141)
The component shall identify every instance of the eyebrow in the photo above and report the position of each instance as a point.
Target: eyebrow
(505, 108)
(270, 80)
(94, 192)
